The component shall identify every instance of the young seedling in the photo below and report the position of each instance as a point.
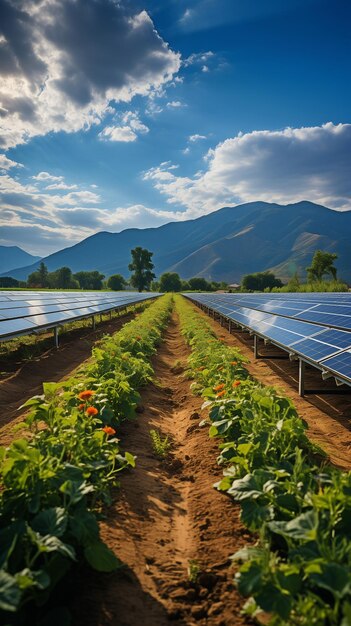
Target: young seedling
(193, 570)
(160, 445)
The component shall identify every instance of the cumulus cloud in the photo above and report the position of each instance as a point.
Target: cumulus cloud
(64, 61)
(45, 176)
(118, 133)
(46, 218)
(282, 166)
(129, 130)
(6, 164)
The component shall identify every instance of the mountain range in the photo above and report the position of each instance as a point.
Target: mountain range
(12, 257)
(223, 245)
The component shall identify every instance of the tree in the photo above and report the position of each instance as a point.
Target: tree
(170, 281)
(322, 263)
(260, 281)
(7, 281)
(39, 278)
(63, 279)
(141, 267)
(43, 274)
(33, 279)
(116, 282)
(199, 284)
(89, 280)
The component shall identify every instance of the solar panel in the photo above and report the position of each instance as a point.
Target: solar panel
(26, 312)
(340, 364)
(316, 327)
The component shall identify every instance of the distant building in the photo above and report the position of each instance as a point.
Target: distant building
(234, 287)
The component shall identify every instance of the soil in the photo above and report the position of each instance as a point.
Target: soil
(327, 414)
(167, 515)
(26, 377)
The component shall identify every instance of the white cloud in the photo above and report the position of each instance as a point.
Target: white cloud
(175, 104)
(199, 58)
(282, 166)
(196, 137)
(129, 131)
(65, 61)
(46, 176)
(43, 222)
(60, 185)
(6, 164)
(118, 133)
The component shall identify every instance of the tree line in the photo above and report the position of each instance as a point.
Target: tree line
(143, 278)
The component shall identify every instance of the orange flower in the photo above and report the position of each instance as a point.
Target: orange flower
(233, 362)
(81, 407)
(138, 338)
(236, 383)
(86, 395)
(91, 410)
(219, 387)
(109, 430)
(221, 393)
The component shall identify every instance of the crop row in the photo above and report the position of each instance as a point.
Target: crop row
(299, 572)
(55, 479)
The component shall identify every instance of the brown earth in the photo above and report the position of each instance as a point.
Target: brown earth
(168, 515)
(328, 415)
(27, 377)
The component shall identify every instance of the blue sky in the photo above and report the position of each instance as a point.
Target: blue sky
(134, 113)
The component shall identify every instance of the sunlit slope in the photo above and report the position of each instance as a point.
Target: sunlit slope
(223, 245)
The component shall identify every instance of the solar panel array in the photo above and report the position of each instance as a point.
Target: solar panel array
(316, 327)
(24, 312)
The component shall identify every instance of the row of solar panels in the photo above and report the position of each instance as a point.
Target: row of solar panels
(37, 311)
(320, 344)
(326, 309)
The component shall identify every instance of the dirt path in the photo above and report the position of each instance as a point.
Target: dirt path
(168, 514)
(54, 365)
(328, 416)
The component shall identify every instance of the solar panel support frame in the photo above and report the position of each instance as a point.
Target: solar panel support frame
(56, 336)
(302, 373)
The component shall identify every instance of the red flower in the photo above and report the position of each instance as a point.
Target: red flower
(109, 430)
(233, 362)
(86, 395)
(221, 393)
(91, 410)
(236, 383)
(219, 387)
(81, 407)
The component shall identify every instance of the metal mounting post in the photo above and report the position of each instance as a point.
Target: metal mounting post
(93, 321)
(301, 378)
(255, 346)
(56, 337)
(230, 326)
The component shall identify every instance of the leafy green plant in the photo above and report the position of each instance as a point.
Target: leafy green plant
(300, 570)
(54, 482)
(160, 445)
(193, 570)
